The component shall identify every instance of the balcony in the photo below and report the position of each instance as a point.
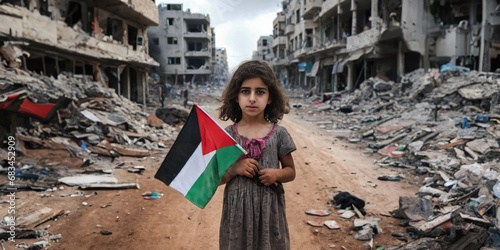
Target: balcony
(289, 29)
(279, 19)
(199, 71)
(329, 7)
(280, 40)
(194, 53)
(312, 6)
(141, 11)
(197, 17)
(364, 39)
(309, 24)
(196, 35)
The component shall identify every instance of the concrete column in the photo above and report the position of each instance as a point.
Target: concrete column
(335, 83)
(350, 77)
(484, 51)
(44, 66)
(354, 17)
(374, 16)
(426, 54)
(401, 60)
(144, 84)
(128, 82)
(365, 68)
(339, 24)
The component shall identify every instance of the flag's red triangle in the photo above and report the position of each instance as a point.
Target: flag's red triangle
(212, 135)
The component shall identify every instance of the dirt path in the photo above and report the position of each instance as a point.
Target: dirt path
(324, 165)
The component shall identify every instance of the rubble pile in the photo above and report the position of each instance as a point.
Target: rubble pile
(91, 122)
(444, 129)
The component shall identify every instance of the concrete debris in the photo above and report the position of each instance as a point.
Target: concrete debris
(444, 128)
(91, 122)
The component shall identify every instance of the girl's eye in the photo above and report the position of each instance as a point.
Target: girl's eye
(260, 92)
(244, 91)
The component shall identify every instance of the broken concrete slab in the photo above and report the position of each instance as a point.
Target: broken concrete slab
(37, 217)
(331, 224)
(109, 186)
(348, 214)
(413, 208)
(86, 179)
(127, 151)
(366, 233)
(482, 145)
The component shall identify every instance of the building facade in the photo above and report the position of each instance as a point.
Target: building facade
(264, 51)
(104, 39)
(221, 71)
(337, 44)
(182, 44)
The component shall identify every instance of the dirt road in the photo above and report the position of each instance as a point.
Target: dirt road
(324, 165)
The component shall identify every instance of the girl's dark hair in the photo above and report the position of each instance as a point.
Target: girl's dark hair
(274, 112)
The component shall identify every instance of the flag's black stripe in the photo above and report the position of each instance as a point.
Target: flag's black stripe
(184, 146)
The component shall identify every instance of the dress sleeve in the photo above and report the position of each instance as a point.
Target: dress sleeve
(285, 142)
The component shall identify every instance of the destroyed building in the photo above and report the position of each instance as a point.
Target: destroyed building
(106, 40)
(263, 51)
(220, 66)
(337, 44)
(184, 45)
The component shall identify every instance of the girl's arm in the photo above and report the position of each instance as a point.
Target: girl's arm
(247, 167)
(269, 176)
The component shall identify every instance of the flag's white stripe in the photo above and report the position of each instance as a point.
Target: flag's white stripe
(191, 171)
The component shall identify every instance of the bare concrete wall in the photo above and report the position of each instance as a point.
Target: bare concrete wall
(146, 7)
(414, 22)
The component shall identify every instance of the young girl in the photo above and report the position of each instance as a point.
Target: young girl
(253, 213)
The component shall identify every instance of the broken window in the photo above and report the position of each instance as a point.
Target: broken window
(115, 29)
(43, 8)
(264, 42)
(297, 16)
(174, 7)
(132, 36)
(170, 21)
(196, 63)
(197, 28)
(172, 40)
(174, 60)
(309, 38)
(74, 14)
(195, 46)
(22, 3)
(156, 41)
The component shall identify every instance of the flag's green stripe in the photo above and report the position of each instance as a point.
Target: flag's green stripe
(205, 186)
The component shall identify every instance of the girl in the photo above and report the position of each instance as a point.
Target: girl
(253, 213)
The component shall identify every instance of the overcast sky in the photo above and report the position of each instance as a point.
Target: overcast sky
(238, 23)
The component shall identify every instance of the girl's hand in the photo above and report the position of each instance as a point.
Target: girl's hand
(268, 176)
(247, 167)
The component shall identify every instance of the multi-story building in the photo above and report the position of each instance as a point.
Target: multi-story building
(337, 44)
(264, 51)
(220, 71)
(182, 44)
(103, 39)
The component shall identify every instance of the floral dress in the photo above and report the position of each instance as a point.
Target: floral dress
(253, 215)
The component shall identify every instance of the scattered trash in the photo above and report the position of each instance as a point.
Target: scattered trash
(152, 195)
(331, 224)
(318, 212)
(104, 232)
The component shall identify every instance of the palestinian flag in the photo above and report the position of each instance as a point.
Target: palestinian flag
(200, 156)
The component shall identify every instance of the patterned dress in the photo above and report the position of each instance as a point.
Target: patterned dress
(253, 215)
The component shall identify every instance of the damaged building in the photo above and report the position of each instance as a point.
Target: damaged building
(335, 45)
(183, 45)
(105, 41)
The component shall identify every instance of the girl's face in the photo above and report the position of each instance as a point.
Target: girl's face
(253, 98)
